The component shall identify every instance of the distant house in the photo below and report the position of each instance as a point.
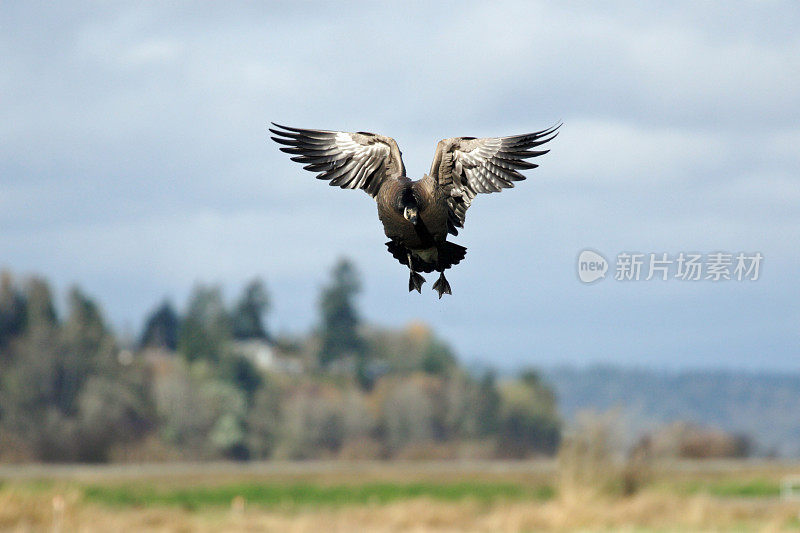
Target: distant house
(266, 357)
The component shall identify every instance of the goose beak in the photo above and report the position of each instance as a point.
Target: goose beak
(410, 214)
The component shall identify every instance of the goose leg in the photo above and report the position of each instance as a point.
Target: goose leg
(442, 286)
(415, 280)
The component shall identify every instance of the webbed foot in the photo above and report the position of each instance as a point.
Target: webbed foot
(415, 282)
(442, 286)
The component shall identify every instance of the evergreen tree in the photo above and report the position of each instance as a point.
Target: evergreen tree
(41, 312)
(161, 328)
(206, 327)
(241, 372)
(88, 348)
(488, 404)
(528, 418)
(340, 319)
(84, 325)
(247, 319)
(12, 310)
(438, 358)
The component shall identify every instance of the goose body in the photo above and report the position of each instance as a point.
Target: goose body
(431, 226)
(417, 215)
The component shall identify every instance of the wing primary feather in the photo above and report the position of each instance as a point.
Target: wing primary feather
(467, 166)
(281, 140)
(351, 160)
(305, 131)
(523, 154)
(316, 167)
(512, 164)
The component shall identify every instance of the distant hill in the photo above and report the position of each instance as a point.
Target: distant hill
(763, 406)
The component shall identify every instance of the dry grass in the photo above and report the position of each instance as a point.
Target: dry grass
(27, 505)
(647, 511)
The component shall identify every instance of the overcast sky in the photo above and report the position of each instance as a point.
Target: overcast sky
(135, 162)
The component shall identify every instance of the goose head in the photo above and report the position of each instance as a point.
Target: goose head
(407, 202)
(411, 213)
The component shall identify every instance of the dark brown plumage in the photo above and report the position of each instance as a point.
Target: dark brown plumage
(417, 216)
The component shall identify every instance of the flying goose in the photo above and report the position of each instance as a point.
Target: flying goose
(417, 215)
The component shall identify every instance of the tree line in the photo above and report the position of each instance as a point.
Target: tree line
(193, 384)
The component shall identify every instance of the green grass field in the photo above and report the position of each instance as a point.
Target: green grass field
(387, 497)
(309, 495)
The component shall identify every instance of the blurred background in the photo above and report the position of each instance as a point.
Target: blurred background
(175, 289)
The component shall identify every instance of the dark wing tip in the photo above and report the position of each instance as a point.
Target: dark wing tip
(302, 131)
(288, 141)
(552, 132)
(281, 129)
(290, 129)
(536, 135)
(551, 129)
(286, 131)
(281, 134)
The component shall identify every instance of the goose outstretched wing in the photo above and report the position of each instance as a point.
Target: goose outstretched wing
(465, 166)
(350, 160)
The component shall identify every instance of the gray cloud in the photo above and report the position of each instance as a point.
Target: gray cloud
(135, 161)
